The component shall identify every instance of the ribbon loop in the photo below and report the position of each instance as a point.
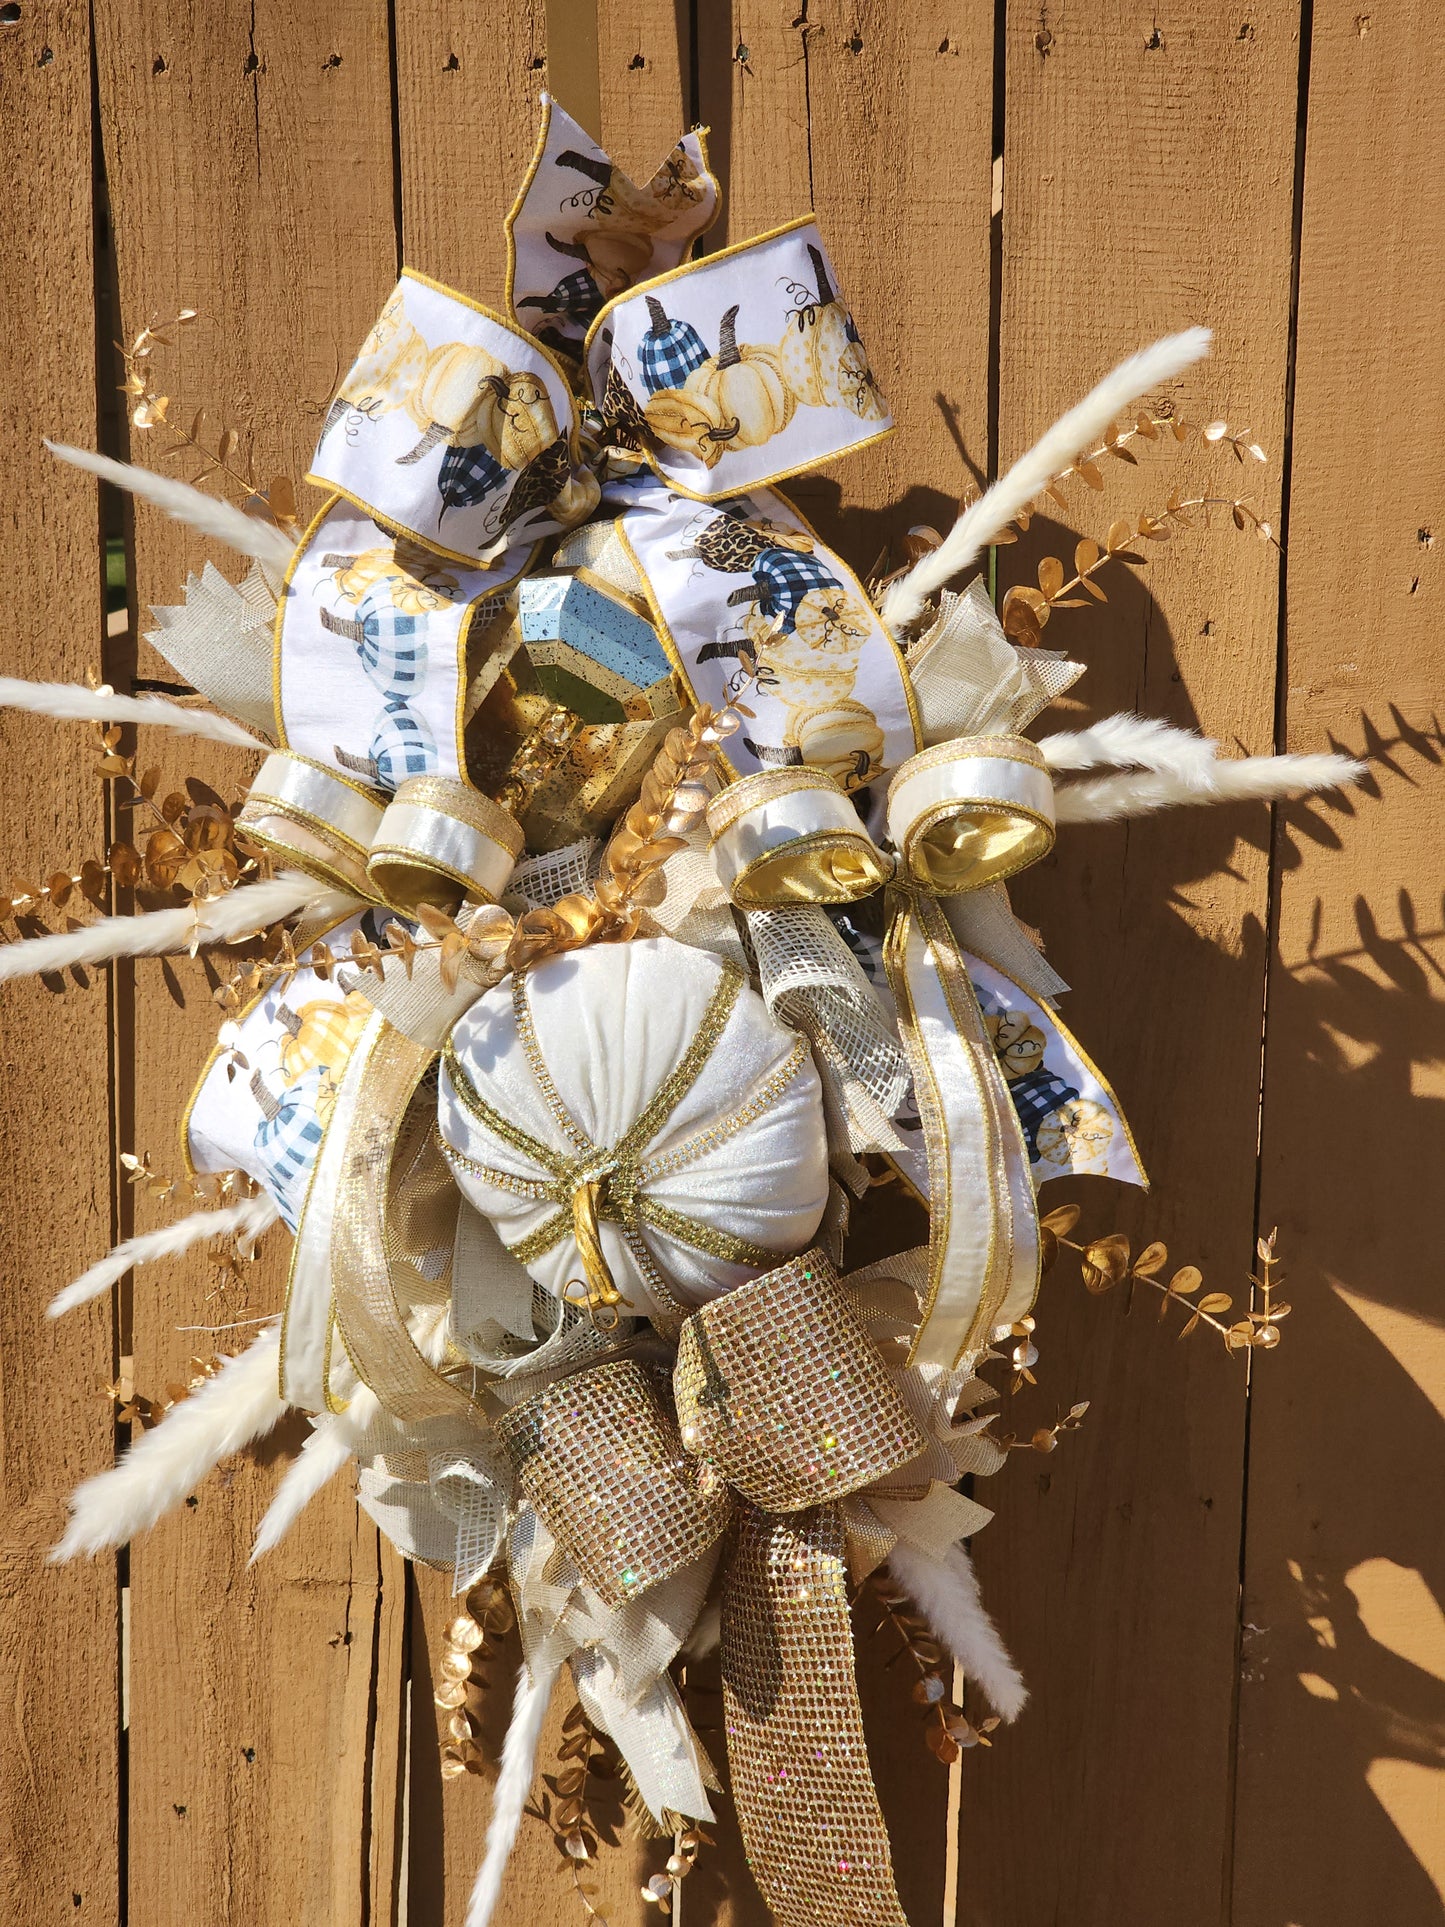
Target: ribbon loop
(792, 836)
(600, 1459)
(313, 820)
(440, 841)
(759, 1395)
(973, 812)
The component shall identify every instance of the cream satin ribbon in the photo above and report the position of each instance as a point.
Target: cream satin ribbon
(963, 816)
(313, 820)
(792, 836)
(439, 841)
(436, 841)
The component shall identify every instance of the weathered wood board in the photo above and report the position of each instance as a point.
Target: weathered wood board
(1225, 1589)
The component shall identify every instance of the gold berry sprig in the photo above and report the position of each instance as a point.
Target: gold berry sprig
(947, 1729)
(1026, 609)
(464, 1675)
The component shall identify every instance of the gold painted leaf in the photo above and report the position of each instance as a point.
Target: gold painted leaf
(1062, 1221)
(1188, 1278)
(1214, 1302)
(1151, 1259)
(1091, 475)
(1051, 576)
(1119, 537)
(1086, 554)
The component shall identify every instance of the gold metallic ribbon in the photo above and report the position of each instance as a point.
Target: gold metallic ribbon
(784, 1408)
(963, 816)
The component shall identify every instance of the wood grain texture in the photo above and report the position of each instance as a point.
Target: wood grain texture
(1341, 1793)
(1192, 1754)
(1146, 184)
(467, 82)
(59, 1627)
(249, 159)
(838, 108)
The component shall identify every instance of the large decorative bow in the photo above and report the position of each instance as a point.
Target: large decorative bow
(781, 1425)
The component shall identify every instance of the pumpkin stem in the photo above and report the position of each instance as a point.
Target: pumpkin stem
(597, 170)
(660, 322)
(270, 1104)
(825, 288)
(289, 1020)
(727, 339)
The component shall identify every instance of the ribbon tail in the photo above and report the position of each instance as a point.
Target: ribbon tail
(653, 1735)
(983, 1237)
(810, 1818)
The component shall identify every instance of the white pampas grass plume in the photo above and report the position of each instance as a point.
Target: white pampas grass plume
(1126, 741)
(514, 1783)
(241, 912)
(946, 1592)
(331, 1446)
(249, 1216)
(206, 513)
(1245, 778)
(240, 1404)
(73, 702)
(328, 1449)
(1031, 474)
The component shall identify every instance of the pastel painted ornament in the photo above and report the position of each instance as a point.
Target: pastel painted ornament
(644, 1084)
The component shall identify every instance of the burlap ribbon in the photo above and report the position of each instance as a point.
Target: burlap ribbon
(780, 1410)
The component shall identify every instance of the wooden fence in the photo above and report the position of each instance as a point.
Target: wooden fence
(1224, 1589)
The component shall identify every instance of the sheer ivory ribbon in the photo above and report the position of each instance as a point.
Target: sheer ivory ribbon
(962, 816)
(436, 841)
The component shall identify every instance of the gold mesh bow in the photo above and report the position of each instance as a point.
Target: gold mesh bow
(781, 1407)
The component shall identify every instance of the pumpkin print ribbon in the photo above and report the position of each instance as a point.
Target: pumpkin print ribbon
(460, 438)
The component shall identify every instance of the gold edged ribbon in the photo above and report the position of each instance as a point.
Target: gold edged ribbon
(313, 820)
(436, 841)
(439, 841)
(784, 1409)
(792, 836)
(969, 813)
(963, 816)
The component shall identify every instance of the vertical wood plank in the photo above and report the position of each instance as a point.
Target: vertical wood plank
(1147, 178)
(1341, 1791)
(467, 82)
(840, 108)
(250, 166)
(644, 58)
(59, 1628)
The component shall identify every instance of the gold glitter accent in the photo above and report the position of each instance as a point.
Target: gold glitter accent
(780, 1386)
(766, 1095)
(809, 1814)
(599, 1457)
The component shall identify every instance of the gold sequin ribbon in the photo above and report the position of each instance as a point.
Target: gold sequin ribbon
(781, 1407)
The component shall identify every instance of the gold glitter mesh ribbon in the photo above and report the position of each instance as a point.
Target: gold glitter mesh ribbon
(780, 1387)
(600, 1459)
(806, 1804)
(367, 1270)
(783, 1399)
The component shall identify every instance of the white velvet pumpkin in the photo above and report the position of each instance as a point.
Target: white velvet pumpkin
(612, 1024)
